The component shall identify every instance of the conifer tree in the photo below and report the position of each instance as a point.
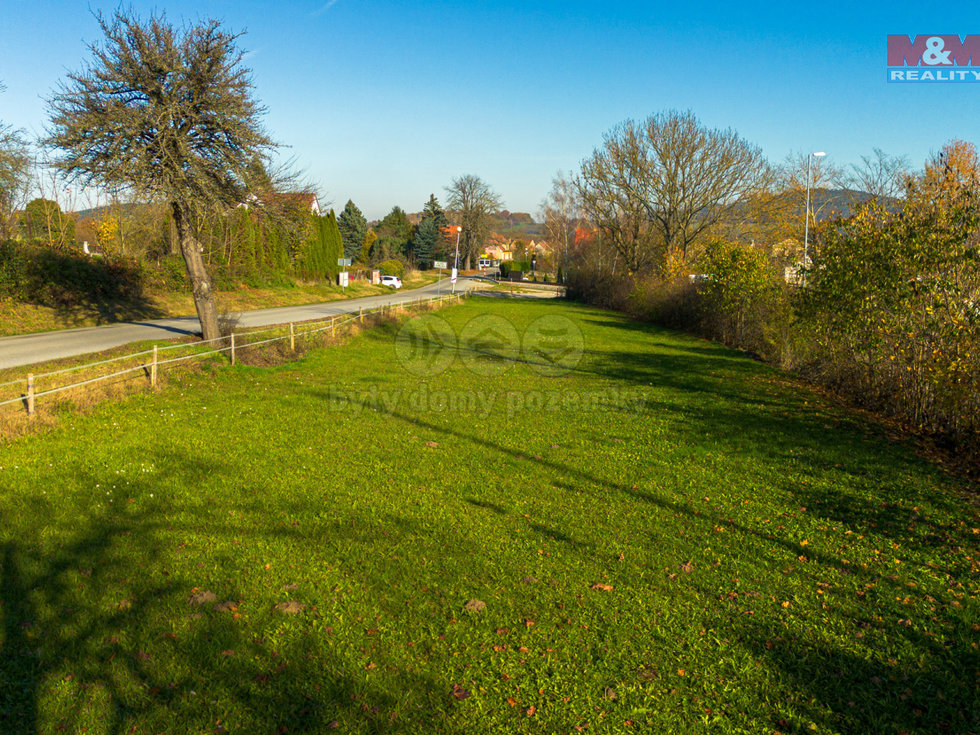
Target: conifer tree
(353, 229)
(429, 239)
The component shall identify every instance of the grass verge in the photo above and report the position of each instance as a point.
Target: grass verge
(20, 318)
(663, 536)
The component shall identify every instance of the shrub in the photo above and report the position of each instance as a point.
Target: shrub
(62, 277)
(392, 268)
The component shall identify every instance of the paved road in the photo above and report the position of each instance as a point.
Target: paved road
(32, 348)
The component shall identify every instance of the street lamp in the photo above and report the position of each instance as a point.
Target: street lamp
(456, 261)
(806, 226)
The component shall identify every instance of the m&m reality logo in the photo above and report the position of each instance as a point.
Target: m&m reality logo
(934, 58)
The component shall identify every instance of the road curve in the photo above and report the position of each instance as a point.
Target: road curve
(27, 349)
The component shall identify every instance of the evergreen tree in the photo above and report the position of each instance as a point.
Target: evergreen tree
(322, 249)
(424, 242)
(429, 239)
(353, 229)
(394, 234)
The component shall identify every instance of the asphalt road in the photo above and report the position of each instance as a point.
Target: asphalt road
(27, 349)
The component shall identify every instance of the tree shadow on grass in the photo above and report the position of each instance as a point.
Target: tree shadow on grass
(848, 692)
(97, 631)
(106, 311)
(813, 667)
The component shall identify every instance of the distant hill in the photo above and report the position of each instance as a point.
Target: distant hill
(831, 203)
(517, 225)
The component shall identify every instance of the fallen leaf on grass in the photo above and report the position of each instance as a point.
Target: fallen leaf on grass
(290, 607)
(432, 444)
(201, 598)
(475, 606)
(226, 606)
(602, 587)
(531, 710)
(503, 631)
(459, 692)
(687, 567)
(611, 694)
(511, 701)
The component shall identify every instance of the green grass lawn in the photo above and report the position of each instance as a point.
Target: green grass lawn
(667, 537)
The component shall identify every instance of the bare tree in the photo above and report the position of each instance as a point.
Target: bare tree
(473, 203)
(665, 182)
(562, 214)
(164, 112)
(610, 191)
(15, 166)
(882, 176)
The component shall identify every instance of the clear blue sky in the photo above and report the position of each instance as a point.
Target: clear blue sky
(384, 102)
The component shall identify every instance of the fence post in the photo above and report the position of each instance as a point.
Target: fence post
(292, 338)
(30, 395)
(232, 348)
(360, 314)
(153, 368)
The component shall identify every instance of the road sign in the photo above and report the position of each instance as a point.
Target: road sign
(343, 261)
(342, 279)
(440, 264)
(452, 278)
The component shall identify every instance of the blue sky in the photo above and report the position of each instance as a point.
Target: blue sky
(385, 102)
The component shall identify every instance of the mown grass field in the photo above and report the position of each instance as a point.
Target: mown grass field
(666, 537)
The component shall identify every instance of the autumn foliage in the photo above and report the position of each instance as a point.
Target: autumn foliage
(888, 312)
(893, 303)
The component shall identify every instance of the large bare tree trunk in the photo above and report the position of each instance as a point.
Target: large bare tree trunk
(190, 248)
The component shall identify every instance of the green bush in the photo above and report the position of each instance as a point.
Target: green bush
(61, 277)
(392, 268)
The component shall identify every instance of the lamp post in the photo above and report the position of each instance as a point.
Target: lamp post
(806, 225)
(456, 260)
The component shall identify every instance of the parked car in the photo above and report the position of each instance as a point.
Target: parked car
(393, 281)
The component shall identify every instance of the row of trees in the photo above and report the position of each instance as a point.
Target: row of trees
(692, 227)
(166, 116)
(656, 191)
(472, 206)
